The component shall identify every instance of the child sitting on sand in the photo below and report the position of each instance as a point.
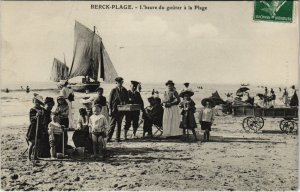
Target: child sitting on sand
(34, 134)
(188, 110)
(81, 135)
(55, 131)
(98, 127)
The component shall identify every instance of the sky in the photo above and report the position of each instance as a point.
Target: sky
(220, 45)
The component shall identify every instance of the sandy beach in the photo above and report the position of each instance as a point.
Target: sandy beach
(233, 160)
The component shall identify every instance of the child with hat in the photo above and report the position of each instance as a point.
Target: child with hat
(36, 116)
(188, 109)
(62, 110)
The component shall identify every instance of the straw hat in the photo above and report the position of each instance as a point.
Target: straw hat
(38, 98)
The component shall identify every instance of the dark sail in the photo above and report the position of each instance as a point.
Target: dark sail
(60, 71)
(86, 53)
(107, 70)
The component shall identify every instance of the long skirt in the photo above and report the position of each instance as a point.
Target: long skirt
(171, 121)
(104, 112)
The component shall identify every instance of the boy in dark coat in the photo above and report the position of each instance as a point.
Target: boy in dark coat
(133, 117)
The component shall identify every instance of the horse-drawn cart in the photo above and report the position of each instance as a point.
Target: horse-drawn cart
(254, 117)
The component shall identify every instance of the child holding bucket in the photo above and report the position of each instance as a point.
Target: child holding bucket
(98, 127)
(55, 131)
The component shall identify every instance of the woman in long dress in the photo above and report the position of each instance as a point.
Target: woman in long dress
(171, 117)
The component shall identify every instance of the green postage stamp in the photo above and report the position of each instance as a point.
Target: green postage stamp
(274, 10)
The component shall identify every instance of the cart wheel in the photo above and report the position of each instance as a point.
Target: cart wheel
(245, 124)
(286, 126)
(260, 122)
(255, 123)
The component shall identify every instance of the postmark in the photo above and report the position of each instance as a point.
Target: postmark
(274, 11)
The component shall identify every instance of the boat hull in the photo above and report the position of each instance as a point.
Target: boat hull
(85, 87)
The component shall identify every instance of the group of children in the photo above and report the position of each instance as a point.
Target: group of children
(94, 125)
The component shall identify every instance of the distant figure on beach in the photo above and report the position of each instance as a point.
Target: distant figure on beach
(171, 118)
(63, 111)
(27, 89)
(6, 90)
(186, 87)
(133, 117)
(188, 107)
(152, 115)
(36, 127)
(101, 101)
(206, 117)
(279, 89)
(118, 96)
(272, 97)
(285, 97)
(266, 91)
(155, 93)
(22, 88)
(98, 126)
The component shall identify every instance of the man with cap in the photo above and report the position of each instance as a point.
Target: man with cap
(133, 117)
(118, 96)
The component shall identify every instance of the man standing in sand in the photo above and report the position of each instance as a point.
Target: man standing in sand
(133, 117)
(118, 96)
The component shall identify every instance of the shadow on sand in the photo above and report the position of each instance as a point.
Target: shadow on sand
(221, 139)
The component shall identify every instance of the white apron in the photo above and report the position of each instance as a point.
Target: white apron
(171, 121)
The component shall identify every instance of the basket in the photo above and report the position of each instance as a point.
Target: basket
(129, 107)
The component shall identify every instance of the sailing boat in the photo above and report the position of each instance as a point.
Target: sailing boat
(90, 60)
(60, 71)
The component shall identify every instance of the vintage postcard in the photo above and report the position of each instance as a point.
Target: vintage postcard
(149, 95)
